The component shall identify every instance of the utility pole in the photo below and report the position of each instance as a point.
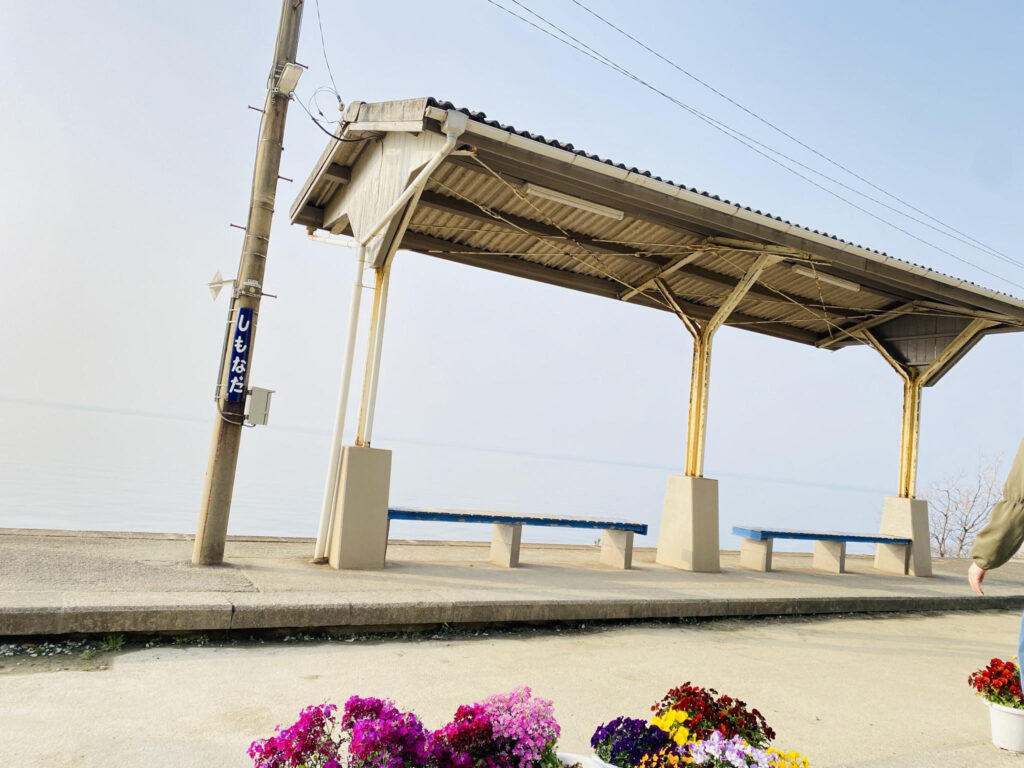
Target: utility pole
(244, 312)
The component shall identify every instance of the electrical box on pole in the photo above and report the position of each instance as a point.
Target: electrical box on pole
(257, 407)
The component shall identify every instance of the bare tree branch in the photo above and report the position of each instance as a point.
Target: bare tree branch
(958, 507)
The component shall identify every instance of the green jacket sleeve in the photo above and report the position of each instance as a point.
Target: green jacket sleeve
(1000, 539)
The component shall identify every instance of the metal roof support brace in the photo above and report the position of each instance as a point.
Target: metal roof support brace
(659, 274)
(700, 375)
(854, 330)
(914, 380)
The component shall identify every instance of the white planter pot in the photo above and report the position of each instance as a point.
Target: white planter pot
(1007, 727)
(570, 759)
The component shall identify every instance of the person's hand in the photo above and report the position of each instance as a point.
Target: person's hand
(975, 576)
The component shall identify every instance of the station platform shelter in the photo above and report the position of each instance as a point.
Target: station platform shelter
(423, 175)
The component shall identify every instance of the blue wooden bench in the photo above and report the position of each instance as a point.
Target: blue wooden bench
(616, 536)
(829, 547)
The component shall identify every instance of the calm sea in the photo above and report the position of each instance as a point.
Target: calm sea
(94, 469)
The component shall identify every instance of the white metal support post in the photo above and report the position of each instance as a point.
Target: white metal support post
(334, 465)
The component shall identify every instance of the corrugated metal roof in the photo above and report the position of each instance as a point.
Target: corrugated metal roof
(476, 209)
(481, 117)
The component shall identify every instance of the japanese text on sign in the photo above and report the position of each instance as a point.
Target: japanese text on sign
(238, 355)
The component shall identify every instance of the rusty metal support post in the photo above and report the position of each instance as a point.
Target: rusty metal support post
(910, 435)
(700, 373)
(696, 431)
(914, 381)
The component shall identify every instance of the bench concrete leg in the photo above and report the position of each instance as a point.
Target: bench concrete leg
(359, 534)
(830, 556)
(689, 524)
(617, 549)
(756, 555)
(907, 518)
(505, 541)
(893, 558)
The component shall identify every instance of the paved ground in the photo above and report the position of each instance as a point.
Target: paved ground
(63, 582)
(869, 691)
(866, 692)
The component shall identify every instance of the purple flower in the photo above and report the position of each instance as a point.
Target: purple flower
(716, 750)
(359, 708)
(624, 741)
(383, 737)
(310, 742)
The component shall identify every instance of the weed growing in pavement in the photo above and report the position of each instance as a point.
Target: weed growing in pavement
(198, 639)
(110, 643)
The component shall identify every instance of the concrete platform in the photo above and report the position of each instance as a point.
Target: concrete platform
(60, 582)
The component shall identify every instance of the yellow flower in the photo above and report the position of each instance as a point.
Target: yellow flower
(672, 723)
(663, 758)
(791, 759)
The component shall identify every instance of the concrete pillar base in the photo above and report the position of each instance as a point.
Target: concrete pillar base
(359, 536)
(830, 556)
(756, 555)
(617, 549)
(505, 541)
(907, 518)
(689, 525)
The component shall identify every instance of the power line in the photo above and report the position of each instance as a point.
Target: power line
(731, 132)
(313, 100)
(323, 48)
(826, 158)
(729, 129)
(319, 125)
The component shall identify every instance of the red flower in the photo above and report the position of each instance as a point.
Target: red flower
(999, 682)
(707, 714)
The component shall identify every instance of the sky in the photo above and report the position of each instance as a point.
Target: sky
(128, 153)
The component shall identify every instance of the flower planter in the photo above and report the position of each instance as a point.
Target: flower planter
(1007, 727)
(571, 759)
